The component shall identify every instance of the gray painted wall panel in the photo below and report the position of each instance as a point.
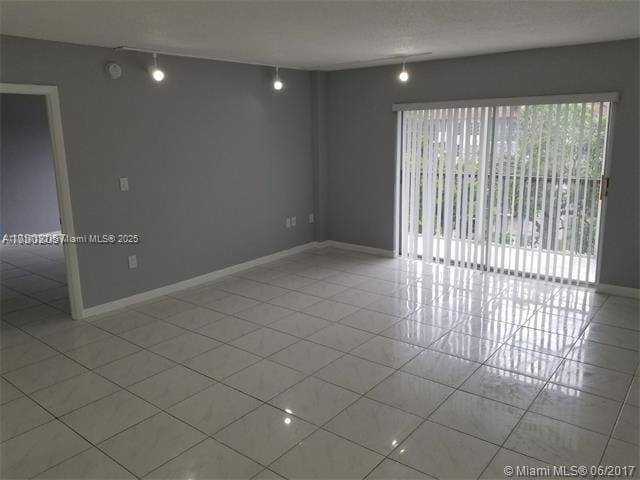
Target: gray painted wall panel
(28, 202)
(215, 160)
(361, 131)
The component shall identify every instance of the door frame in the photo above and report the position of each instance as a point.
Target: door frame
(63, 191)
(397, 204)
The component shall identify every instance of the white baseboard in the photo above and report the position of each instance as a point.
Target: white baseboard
(191, 282)
(209, 277)
(358, 248)
(619, 291)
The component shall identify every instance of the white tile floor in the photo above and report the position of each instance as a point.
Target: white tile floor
(326, 364)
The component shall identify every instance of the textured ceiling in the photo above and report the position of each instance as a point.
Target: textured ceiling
(324, 35)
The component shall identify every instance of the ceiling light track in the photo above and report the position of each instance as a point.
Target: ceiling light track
(159, 75)
(377, 62)
(167, 53)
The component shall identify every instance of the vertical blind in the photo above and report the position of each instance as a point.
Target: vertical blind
(508, 188)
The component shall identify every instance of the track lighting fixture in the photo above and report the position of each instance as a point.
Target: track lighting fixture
(156, 72)
(277, 82)
(404, 75)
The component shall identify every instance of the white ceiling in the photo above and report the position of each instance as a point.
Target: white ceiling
(324, 35)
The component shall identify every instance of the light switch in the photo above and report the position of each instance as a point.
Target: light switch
(133, 261)
(287, 222)
(311, 218)
(293, 221)
(124, 184)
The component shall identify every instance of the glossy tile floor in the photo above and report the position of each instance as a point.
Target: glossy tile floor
(325, 364)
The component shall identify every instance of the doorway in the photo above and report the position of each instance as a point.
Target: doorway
(39, 266)
(512, 186)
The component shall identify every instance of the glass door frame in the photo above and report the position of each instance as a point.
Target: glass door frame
(610, 97)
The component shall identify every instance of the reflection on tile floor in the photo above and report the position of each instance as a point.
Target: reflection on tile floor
(324, 364)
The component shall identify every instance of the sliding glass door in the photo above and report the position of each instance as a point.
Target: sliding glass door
(508, 188)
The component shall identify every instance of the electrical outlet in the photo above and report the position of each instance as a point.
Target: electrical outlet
(124, 184)
(287, 222)
(311, 218)
(293, 221)
(133, 261)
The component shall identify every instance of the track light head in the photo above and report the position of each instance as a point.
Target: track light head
(156, 72)
(278, 84)
(404, 75)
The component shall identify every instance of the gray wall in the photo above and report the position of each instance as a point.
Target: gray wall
(27, 183)
(215, 160)
(361, 131)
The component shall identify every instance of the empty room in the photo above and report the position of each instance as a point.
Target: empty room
(287, 239)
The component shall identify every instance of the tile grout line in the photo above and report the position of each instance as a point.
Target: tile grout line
(528, 409)
(320, 427)
(387, 456)
(162, 410)
(615, 423)
(308, 375)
